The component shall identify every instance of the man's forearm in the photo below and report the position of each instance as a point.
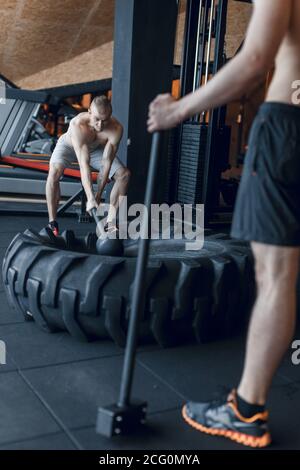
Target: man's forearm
(238, 77)
(107, 158)
(82, 155)
(108, 153)
(86, 180)
(102, 180)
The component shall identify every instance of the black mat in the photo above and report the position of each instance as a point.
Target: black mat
(57, 441)
(22, 414)
(85, 385)
(51, 386)
(30, 347)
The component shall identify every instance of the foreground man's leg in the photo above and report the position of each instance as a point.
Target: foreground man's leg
(273, 318)
(270, 333)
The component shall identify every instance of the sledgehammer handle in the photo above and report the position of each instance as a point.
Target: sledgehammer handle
(138, 297)
(98, 222)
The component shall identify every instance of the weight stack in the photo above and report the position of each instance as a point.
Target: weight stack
(191, 163)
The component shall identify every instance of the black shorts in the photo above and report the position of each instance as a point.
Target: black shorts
(267, 208)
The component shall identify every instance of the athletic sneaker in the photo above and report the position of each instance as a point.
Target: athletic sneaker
(53, 225)
(222, 418)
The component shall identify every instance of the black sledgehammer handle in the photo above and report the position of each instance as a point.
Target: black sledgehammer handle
(137, 304)
(98, 221)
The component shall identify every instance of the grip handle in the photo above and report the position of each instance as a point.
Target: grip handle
(98, 221)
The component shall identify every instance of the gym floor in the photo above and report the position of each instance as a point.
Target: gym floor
(52, 385)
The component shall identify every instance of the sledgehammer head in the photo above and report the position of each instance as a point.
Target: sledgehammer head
(106, 246)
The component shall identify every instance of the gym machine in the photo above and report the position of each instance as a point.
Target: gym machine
(26, 146)
(199, 148)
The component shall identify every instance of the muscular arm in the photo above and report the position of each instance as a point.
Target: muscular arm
(267, 28)
(83, 156)
(109, 154)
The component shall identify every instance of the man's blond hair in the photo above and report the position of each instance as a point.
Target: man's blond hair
(101, 102)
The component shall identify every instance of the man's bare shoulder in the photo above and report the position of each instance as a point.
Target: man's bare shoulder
(116, 128)
(116, 125)
(78, 130)
(78, 125)
(79, 120)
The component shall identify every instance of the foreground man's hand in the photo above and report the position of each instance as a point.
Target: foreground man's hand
(164, 113)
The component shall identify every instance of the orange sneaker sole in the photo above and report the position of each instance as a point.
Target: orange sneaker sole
(241, 438)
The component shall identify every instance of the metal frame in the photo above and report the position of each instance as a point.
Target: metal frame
(16, 121)
(190, 46)
(217, 120)
(7, 81)
(32, 186)
(78, 196)
(76, 89)
(187, 83)
(31, 96)
(202, 24)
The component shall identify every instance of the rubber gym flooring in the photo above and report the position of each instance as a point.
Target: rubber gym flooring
(51, 385)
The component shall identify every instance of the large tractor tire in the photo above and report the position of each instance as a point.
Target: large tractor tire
(65, 285)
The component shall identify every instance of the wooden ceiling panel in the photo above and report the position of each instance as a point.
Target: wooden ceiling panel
(57, 11)
(104, 14)
(8, 5)
(92, 36)
(6, 24)
(36, 35)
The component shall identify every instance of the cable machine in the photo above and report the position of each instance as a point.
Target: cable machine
(200, 146)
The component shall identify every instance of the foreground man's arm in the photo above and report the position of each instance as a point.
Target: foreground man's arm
(268, 25)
